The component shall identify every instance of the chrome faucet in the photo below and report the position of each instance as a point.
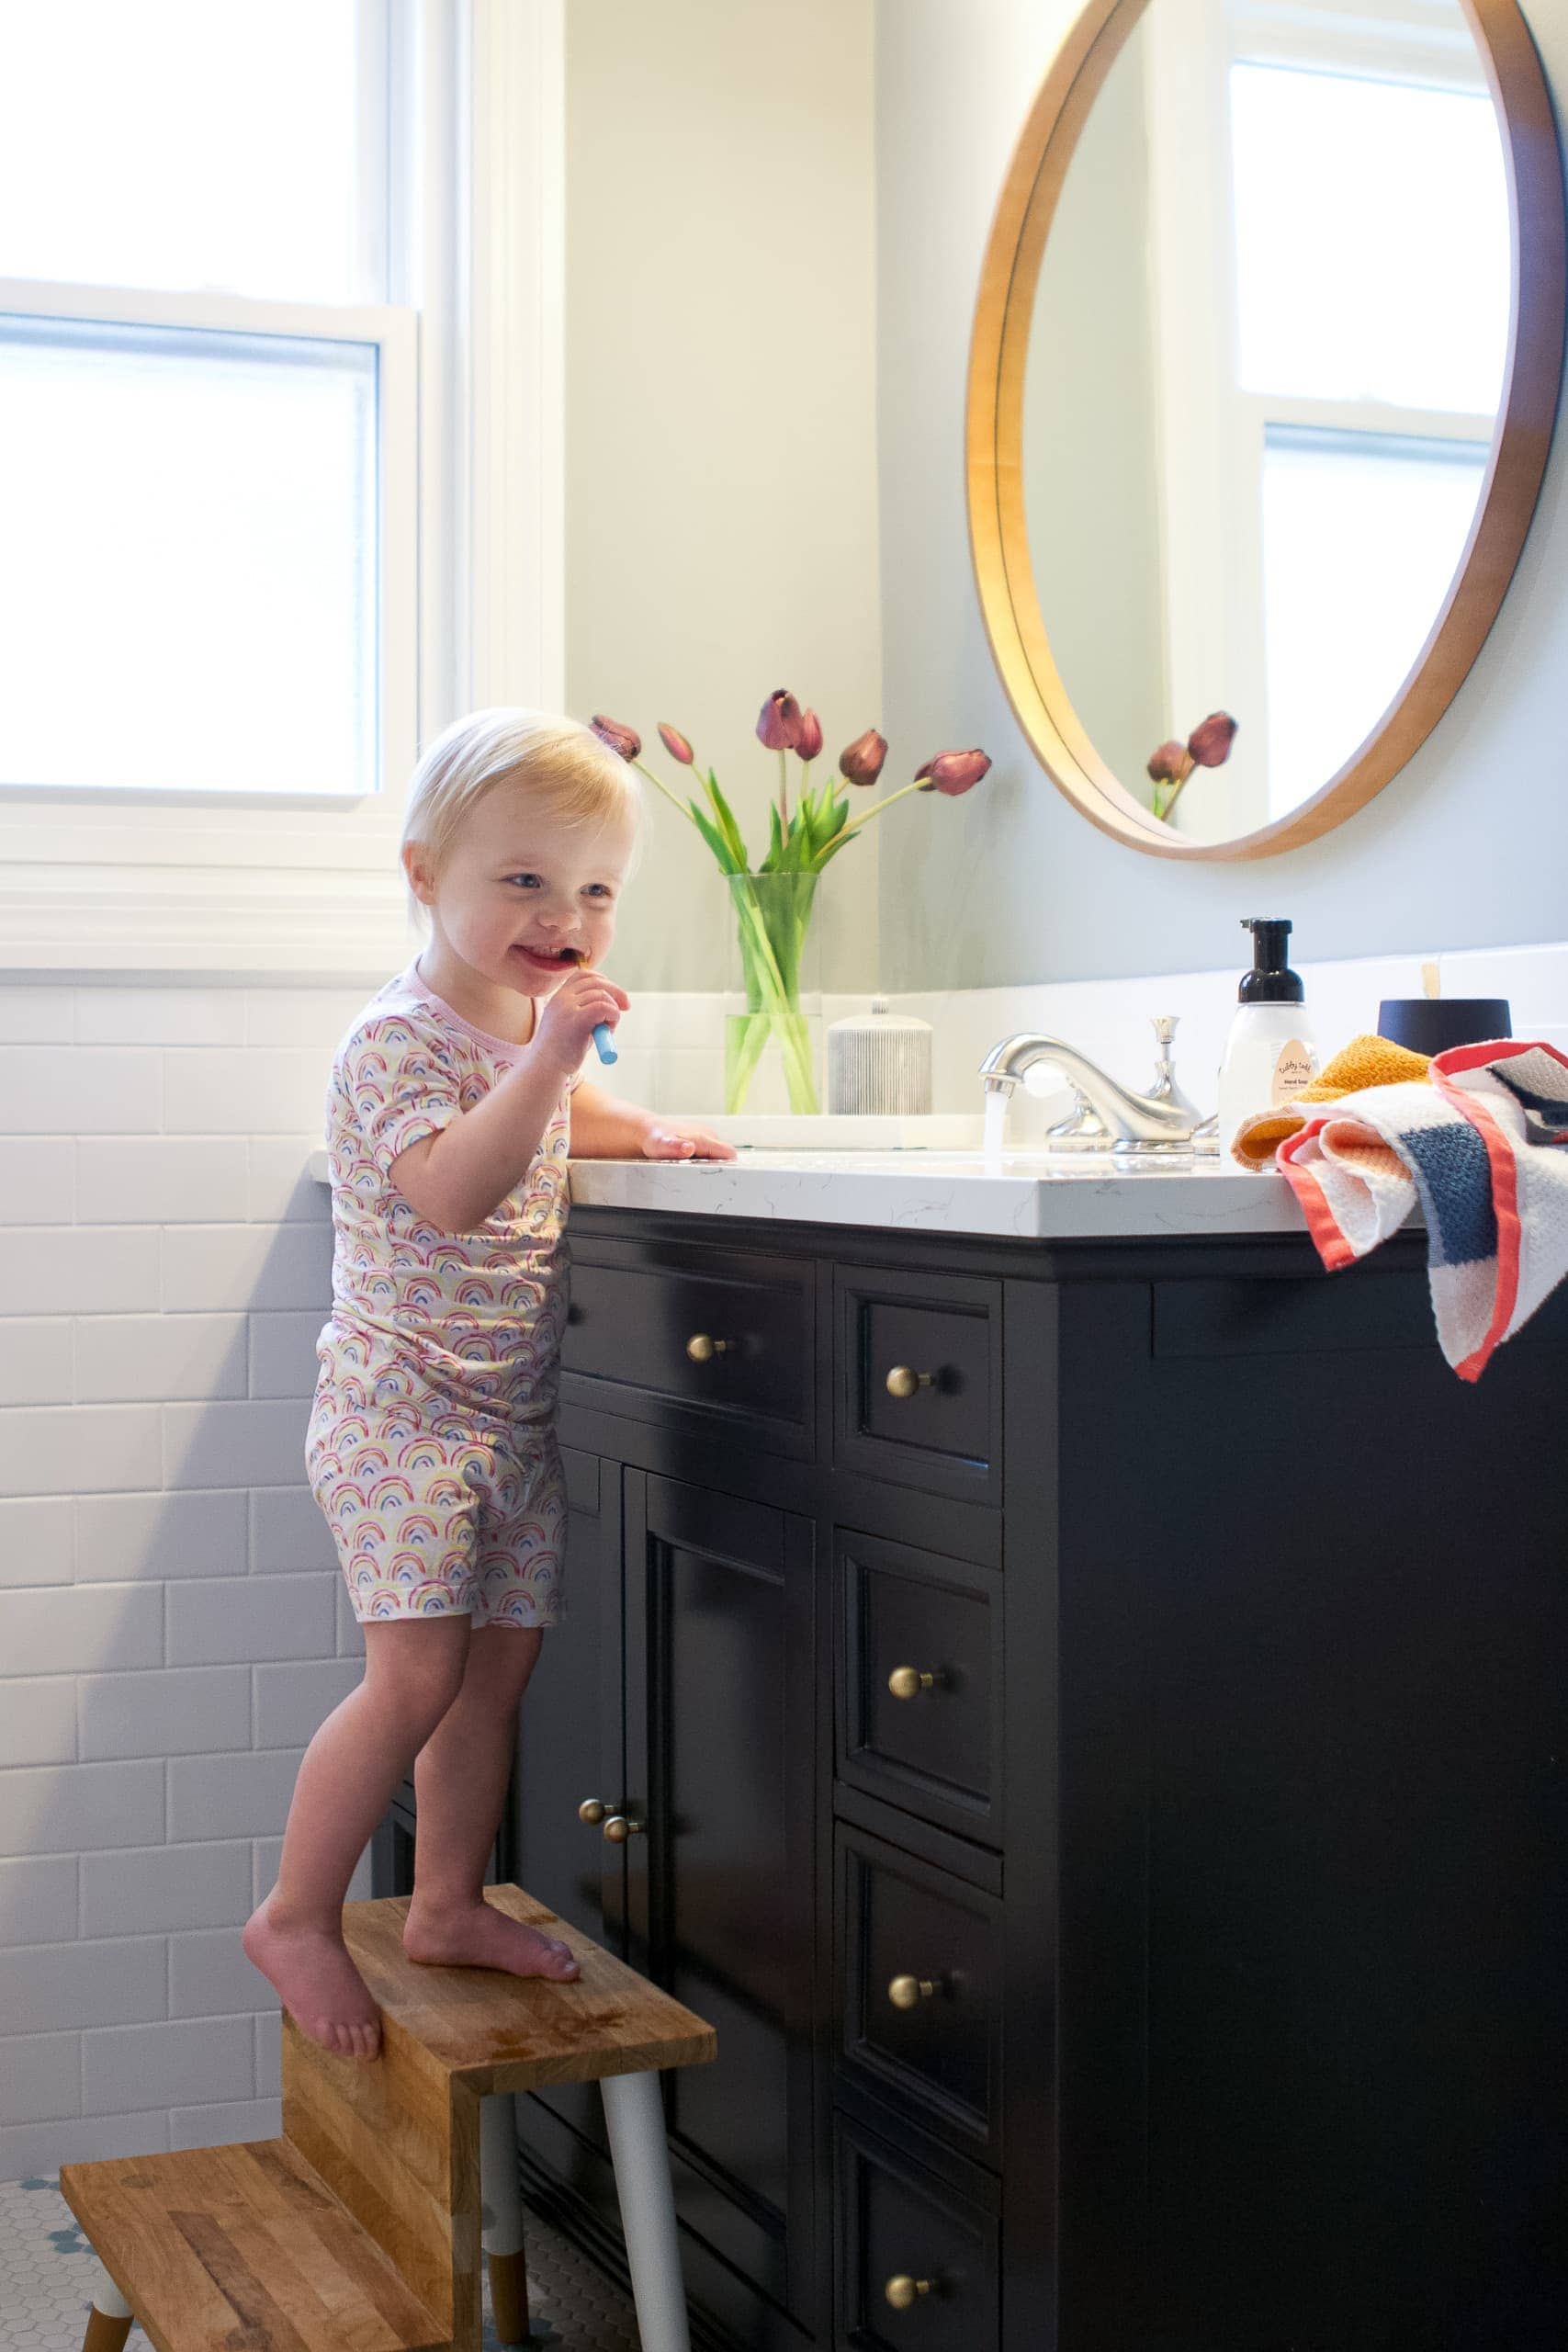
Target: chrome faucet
(1115, 1119)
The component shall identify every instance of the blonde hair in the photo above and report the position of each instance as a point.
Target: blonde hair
(574, 776)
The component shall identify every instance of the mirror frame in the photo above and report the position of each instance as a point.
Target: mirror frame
(994, 432)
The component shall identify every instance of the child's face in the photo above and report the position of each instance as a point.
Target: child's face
(522, 898)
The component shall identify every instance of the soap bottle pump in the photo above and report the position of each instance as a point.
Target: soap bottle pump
(1270, 1053)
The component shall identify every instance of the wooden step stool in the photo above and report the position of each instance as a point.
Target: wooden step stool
(361, 2229)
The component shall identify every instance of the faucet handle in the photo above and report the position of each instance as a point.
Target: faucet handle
(1166, 1087)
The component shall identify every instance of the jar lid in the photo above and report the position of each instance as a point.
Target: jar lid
(878, 1022)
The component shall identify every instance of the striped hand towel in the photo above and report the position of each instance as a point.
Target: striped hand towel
(1483, 1146)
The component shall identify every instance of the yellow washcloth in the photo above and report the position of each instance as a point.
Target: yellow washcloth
(1365, 1061)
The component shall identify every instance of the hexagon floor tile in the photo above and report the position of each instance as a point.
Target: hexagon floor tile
(46, 2281)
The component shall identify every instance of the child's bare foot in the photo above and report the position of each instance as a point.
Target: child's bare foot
(476, 1935)
(315, 1980)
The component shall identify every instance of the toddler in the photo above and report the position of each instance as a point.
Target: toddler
(454, 1099)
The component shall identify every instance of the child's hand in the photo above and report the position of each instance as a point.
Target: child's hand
(678, 1139)
(569, 1018)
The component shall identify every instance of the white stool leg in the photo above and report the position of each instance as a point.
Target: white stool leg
(635, 2114)
(501, 2207)
(502, 2199)
(108, 2316)
(106, 2297)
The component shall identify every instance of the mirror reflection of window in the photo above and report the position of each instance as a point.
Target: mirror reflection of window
(1338, 635)
(1369, 215)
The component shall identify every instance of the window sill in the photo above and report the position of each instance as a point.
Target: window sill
(297, 928)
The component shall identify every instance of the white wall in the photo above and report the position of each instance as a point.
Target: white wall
(721, 423)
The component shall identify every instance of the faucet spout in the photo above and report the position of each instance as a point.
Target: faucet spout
(1135, 1122)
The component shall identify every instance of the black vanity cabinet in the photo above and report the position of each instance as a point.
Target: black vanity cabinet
(1090, 1725)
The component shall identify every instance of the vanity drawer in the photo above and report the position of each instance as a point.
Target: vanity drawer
(928, 2235)
(723, 1338)
(919, 1703)
(918, 1392)
(918, 1994)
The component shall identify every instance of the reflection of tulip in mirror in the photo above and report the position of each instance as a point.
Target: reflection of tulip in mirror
(1208, 746)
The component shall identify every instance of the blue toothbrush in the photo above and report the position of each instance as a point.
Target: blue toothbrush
(602, 1038)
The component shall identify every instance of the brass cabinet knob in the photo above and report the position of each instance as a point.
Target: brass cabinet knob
(619, 1827)
(904, 2294)
(902, 1382)
(701, 1349)
(591, 1811)
(908, 1992)
(907, 1682)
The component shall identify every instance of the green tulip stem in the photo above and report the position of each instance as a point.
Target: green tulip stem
(784, 787)
(773, 990)
(877, 808)
(1164, 811)
(664, 788)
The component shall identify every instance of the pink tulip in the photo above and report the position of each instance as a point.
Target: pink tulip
(620, 738)
(862, 761)
(810, 741)
(675, 744)
(778, 728)
(1170, 762)
(1210, 744)
(952, 772)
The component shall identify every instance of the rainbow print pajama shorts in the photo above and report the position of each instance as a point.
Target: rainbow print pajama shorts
(438, 1513)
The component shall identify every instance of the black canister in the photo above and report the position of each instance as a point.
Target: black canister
(1430, 1024)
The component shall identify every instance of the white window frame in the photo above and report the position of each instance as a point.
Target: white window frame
(294, 887)
(1215, 649)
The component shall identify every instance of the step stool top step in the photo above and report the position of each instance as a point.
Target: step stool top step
(502, 2032)
(243, 2245)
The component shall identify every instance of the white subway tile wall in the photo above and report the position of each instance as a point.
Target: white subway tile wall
(173, 1625)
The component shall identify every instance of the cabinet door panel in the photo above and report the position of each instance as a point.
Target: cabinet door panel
(720, 1700)
(570, 1745)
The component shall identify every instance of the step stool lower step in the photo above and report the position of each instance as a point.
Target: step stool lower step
(249, 2233)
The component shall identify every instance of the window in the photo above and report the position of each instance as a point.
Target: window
(280, 459)
(206, 405)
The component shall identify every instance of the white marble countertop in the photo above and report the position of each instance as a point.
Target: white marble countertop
(1025, 1194)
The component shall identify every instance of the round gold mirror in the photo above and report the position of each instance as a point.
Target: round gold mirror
(1266, 362)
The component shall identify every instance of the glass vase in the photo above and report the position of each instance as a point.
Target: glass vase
(773, 1024)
